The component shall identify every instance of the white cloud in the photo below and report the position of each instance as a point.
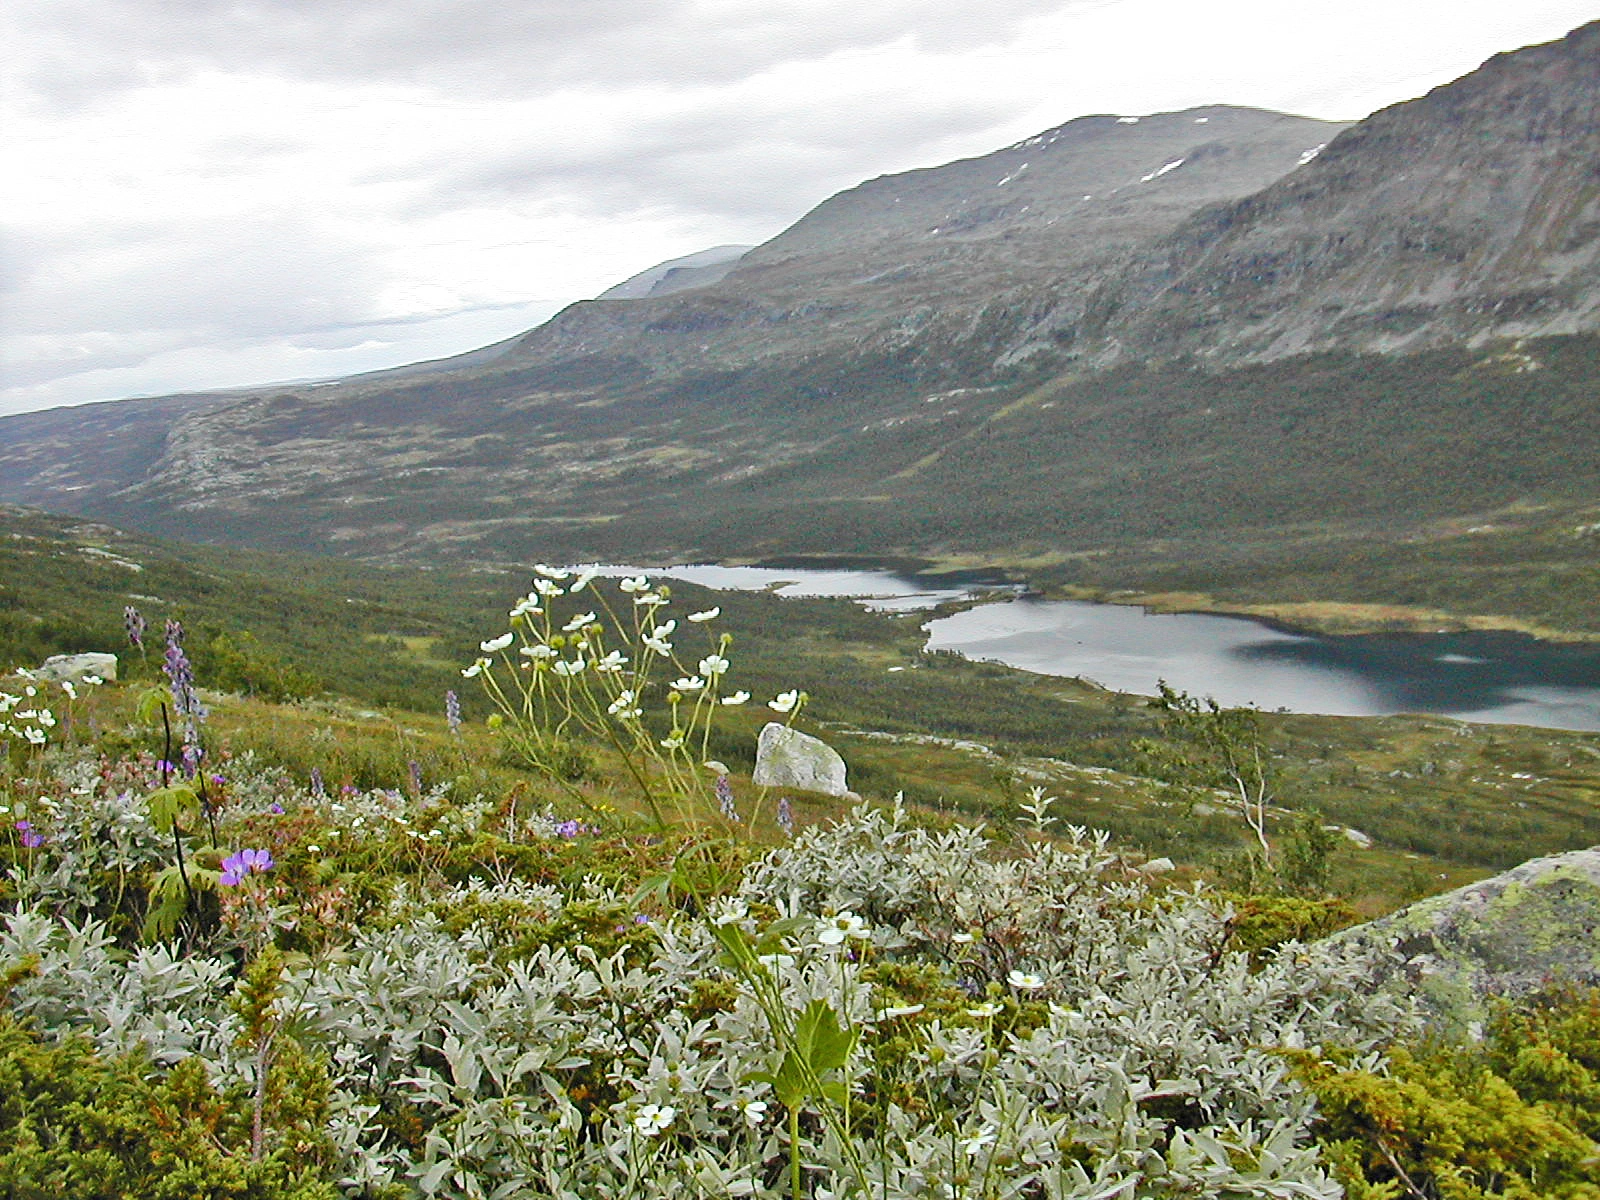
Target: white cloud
(219, 192)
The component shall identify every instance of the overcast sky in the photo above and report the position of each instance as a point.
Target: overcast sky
(210, 193)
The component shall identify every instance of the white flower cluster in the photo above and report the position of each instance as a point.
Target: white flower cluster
(26, 713)
(597, 672)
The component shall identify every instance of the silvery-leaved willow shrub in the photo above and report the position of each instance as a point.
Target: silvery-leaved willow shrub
(561, 673)
(1080, 1036)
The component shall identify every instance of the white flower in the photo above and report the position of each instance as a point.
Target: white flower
(673, 741)
(545, 588)
(903, 1010)
(971, 1145)
(583, 579)
(652, 1119)
(776, 962)
(637, 584)
(36, 736)
(690, 683)
(578, 622)
(755, 1111)
(713, 665)
(845, 925)
(495, 645)
(93, 680)
(475, 669)
(569, 669)
(528, 606)
(650, 599)
(611, 663)
(736, 698)
(622, 706)
(66, 686)
(538, 651)
(709, 614)
(1024, 981)
(551, 572)
(785, 703)
(47, 718)
(984, 1011)
(731, 911)
(664, 629)
(659, 645)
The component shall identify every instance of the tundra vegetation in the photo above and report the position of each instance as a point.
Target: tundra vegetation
(268, 948)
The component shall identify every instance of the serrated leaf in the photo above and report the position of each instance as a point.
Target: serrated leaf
(167, 804)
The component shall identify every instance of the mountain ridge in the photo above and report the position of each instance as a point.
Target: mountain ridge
(991, 357)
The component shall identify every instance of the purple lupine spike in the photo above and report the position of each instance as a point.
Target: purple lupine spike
(134, 622)
(452, 712)
(725, 798)
(786, 815)
(317, 789)
(185, 700)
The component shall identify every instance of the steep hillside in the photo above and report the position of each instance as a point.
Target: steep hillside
(1468, 215)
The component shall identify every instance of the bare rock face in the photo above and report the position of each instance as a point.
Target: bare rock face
(1472, 213)
(1534, 925)
(787, 758)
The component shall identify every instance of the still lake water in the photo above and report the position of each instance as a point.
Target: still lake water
(1495, 677)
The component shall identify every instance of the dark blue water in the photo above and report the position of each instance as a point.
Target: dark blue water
(1499, 677)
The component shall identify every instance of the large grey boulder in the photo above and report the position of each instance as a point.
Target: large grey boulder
(75, 668)
(787, 758)
(1534, 925)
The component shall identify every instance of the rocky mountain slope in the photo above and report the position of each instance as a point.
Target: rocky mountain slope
(1470, 214)
(996, 356)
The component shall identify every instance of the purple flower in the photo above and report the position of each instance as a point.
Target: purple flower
(725, 798)
(275, 809)
(245, 862)
(185, 700)
(316, 783)
(569, 829)
(135, 625)
(786, 815)
(452, 711)
(30, 838)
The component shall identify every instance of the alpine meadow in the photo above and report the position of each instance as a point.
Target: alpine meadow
(387, 812)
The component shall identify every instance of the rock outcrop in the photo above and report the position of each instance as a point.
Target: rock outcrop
(1535, 925)
(787, 758)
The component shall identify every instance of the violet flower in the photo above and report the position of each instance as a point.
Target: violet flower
(243, 863)
(30, 837)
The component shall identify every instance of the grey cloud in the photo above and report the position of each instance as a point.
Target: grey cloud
(84, 47)
(727, 159)
(204, 278)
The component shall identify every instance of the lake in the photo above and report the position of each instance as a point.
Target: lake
(1495, 677)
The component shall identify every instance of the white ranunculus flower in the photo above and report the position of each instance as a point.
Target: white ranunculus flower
(653, 1119)
(495, 645)
(709, 614)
